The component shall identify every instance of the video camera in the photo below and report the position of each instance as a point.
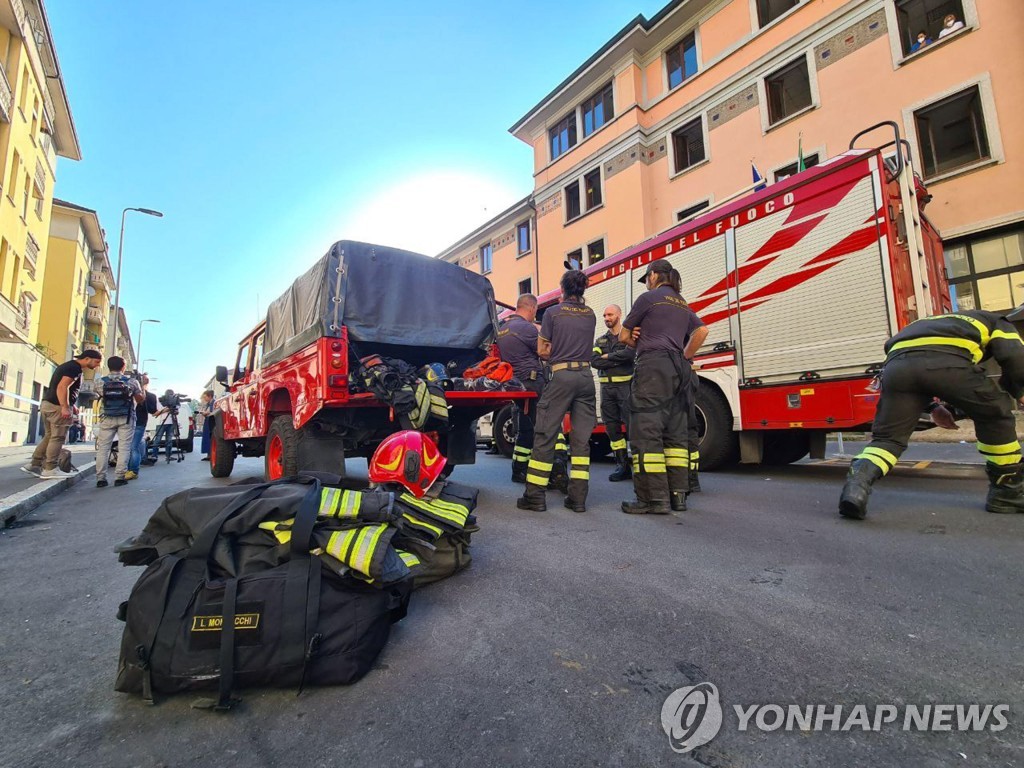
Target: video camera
(172, 400)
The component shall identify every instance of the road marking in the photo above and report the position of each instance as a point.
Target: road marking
(922, 464)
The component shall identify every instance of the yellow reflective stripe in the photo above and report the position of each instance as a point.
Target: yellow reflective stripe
(541, 465)
(880, 463)
(579, 474)
(561, 446)
(653, 458)
(1013, 458)
(676, 452)
(537, 480)
(880, 453)
(418, 523)
(365, 546)
(940, 341)
(677, 461)
(408, 558)
(339, 542)
(618, 445)
(451, 512)
(1008, 336)
(580, 461)
(694, 455)
(1005, 448)
(621, 379)
(329, 501)
(654, 469)
(521, 450)
(598, 351)
(979, 326)
(350, 503)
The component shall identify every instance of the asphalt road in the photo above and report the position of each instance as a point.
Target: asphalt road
(561, 642)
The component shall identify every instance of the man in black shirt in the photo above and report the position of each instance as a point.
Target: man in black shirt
(666, 334)
(57, 411)
(517, 344)
(566, 340)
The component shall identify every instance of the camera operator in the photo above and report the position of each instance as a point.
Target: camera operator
(166, 418)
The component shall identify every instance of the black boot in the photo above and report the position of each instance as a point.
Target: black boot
(644, 505)
(678, 501)
(853, 502)
(532, 499)
(1006, 489)
(518, 471)
(694, 482)
(574, 505)
(623, 471)
(559, 477)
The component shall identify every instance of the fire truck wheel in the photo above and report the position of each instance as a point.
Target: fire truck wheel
(503, 431)
(281, 454)
(784, 446)
(719, 444)
(222, 455)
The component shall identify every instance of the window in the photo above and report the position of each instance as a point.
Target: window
(18, 382)
(681, 60)
(789, 91)
(12, 179)
(693, 210)
(3, 379)
(769, 10)
(988, 272)
(76, 323)
(915, 17)
(597, 110)
(951, 133)
(24, 197)
(595, 252)
(526, 286)
(257, 352)
(575, 258)
(572, 201)
(523, 238)
(592, 189)
(688, 145)
(37, 197)
(563, 135)
(788, 170)
(243, 361)
(486, 258)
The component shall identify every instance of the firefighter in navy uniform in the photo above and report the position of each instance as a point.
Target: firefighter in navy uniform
(517, 344)
(566, 342)
(614, 363)
(938, 357)
(659, 325)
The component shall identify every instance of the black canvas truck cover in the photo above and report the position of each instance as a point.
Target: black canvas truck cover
(393, 302)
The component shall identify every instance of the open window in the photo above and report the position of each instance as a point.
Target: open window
(242, 363)
(788, 90)
(952, 133)
(923, 22)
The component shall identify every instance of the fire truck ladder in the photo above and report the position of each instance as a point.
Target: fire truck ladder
(910, 233)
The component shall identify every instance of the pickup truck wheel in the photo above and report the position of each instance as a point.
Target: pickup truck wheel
(281, 456)
(222, 456)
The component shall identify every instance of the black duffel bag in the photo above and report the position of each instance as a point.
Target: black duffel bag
(294, 624)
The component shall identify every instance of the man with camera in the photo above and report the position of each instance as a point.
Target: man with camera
(167, 423)
(121, 394)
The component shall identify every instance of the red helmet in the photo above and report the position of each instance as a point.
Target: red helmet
(408, 458)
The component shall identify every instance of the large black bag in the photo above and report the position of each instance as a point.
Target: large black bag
(293, 624)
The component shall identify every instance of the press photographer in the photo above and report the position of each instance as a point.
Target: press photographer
(168, 431)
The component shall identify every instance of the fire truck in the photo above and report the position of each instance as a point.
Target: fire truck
(800, 284)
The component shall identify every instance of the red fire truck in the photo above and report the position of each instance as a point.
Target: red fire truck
(800, 284)
(290, 398)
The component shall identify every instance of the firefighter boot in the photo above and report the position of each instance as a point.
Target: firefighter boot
(677, 499)
(532, 499)
(622, 468)
(644, 505)
(559, 476)
(853, 502)
(694, 486)
(1006, 489)
(519, 471)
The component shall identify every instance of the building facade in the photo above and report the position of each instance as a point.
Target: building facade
(670, 116)
(35, 128)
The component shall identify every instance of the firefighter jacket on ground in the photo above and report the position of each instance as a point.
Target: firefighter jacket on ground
(973, 334)
(396, 383)
(617, 368)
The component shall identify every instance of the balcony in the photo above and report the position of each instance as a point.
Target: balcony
(90, 345)
(95, 315)
(14, 323)
(31, 255)
(101, 279)
(6, 96)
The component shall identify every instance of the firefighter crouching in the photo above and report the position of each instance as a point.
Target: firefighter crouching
(614, 363)
(566, 341)
(517, 343)
(939, 357)
(658, 326)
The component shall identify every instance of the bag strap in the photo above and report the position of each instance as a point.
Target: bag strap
(227, 648)
(296, 628)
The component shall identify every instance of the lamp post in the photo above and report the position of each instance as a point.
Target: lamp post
(138, 347)
(112, 344)
(142, 367)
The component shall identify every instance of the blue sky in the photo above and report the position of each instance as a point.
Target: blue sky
(265, 131)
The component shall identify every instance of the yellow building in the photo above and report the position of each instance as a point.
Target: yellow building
(75, 236)
(35, 128)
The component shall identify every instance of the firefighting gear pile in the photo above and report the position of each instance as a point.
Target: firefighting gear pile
(414, 401)
(283, 584)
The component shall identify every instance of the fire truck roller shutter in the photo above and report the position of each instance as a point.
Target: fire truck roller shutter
(703, 270)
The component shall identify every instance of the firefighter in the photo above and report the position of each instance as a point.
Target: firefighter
(658, 326)
(939, 357)
(566, 341)
(614, 363)
(517, 343)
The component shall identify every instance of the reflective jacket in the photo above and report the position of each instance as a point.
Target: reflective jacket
(617, 368)
(973, 334)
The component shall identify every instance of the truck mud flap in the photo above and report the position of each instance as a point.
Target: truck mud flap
(320, 452)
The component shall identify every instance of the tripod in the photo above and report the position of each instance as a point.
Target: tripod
(171, 436)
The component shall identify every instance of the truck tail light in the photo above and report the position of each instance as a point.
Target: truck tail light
(336, 346)
(336, 361)
(337, 381)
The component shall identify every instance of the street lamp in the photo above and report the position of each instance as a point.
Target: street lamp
(112, 345)
(142, 367)
(138, 346)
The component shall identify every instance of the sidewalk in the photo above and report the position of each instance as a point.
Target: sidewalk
(20, 493)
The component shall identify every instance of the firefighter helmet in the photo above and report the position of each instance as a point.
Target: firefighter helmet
(408, 458)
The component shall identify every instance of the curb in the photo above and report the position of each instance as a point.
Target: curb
(17, 505)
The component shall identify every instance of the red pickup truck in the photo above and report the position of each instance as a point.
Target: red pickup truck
(289, 398)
